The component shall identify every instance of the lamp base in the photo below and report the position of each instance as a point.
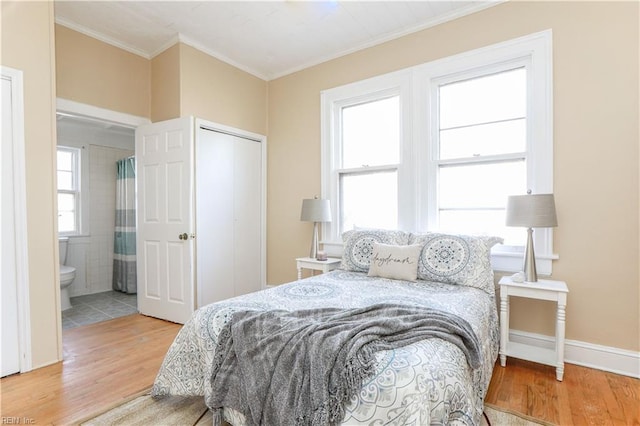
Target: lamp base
(530, 259)
(314, 242)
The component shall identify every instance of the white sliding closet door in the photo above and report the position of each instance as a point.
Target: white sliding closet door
(228, 215)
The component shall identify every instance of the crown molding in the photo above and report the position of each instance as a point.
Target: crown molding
(103, 38)
(267, 76)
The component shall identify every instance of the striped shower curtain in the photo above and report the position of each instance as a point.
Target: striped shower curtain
(124, 245)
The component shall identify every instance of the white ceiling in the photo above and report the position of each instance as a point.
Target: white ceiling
(268, 39)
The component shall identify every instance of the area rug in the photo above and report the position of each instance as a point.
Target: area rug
(191, 411)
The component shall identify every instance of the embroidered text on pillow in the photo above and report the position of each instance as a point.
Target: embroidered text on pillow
(394, 262)
(384, 261)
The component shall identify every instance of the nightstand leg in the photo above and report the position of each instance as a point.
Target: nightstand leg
(560, 324)
(504, 329)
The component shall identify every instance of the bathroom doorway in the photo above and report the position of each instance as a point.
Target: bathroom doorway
(87, 219)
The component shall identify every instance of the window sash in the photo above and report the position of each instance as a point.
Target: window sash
(73, 211)
(482, 184)
(372, 199)
(74, 190)
(348, 131)
(481, 112)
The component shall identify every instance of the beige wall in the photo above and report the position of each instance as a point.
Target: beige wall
(595, 152)
(29, 48)
(178, 82)
(96, 73)
(216, 91)
(165, 84)
(186, 81)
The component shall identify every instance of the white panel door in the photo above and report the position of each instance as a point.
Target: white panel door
(165, 245)
(229, 215)
(10, 357)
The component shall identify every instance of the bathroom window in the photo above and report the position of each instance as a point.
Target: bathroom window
(69, 186)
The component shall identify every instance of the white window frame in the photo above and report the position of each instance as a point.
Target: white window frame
(418, 167)
(332, 102)
(80, 176)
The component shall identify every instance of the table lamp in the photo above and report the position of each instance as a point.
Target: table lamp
(531, 211)
(315, 210)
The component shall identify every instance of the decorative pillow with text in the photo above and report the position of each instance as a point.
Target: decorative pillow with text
(395, 262)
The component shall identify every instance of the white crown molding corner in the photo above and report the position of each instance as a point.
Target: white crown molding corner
(199, 46)
(599, 357)
(73, 108)
(103, 38)
(171, 42)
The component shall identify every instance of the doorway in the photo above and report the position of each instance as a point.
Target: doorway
(88, 151)
(100, 138)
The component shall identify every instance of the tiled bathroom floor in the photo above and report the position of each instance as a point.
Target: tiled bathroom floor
(98, 307)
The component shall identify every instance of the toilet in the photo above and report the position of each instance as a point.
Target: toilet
(67, 274)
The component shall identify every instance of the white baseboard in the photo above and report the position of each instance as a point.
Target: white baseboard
(606, 358)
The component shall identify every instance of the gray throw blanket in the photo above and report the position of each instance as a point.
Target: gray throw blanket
(301, 367)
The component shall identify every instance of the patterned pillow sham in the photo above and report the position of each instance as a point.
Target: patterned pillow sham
(456, 259)
(358, 246)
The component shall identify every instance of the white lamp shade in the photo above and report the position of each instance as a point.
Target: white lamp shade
(315, 210)
(531, 211)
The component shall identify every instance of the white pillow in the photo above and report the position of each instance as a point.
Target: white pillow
(395, 262)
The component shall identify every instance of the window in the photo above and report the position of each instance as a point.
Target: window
(68, 190)
(368, 173)
(440, 146)
(481, 141)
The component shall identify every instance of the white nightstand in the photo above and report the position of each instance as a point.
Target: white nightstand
(555, 291)
(317, 265)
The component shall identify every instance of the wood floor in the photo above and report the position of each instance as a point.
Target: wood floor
(106, 363)
(585, 396)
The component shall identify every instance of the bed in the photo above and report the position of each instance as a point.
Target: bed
(427, 382)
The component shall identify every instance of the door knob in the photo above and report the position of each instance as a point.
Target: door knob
(184, 236)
